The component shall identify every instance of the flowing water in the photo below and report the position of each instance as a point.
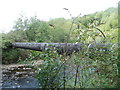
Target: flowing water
(18, 76)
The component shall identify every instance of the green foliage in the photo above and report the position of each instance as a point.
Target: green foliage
(48, 73)
(100, 71)
(9, 54)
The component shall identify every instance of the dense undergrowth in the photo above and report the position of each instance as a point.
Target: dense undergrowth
(79, 70)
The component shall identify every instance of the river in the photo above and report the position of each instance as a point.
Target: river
(19, 76)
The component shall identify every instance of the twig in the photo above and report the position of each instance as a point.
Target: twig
(76, 76)
(101, 32)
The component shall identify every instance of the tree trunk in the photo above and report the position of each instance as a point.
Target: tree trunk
(61, 48)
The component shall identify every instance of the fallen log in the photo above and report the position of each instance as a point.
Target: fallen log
(61, 48)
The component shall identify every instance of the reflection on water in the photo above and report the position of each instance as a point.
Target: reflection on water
(18, 76)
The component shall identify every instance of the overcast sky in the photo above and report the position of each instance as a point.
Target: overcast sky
(10, 10)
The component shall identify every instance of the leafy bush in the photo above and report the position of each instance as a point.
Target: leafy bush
(48, 73)
(80, 70)
(9, 54)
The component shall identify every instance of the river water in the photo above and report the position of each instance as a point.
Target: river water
(19, 76)
(22, 76)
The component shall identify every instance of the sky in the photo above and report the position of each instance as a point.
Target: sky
(10, 10)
